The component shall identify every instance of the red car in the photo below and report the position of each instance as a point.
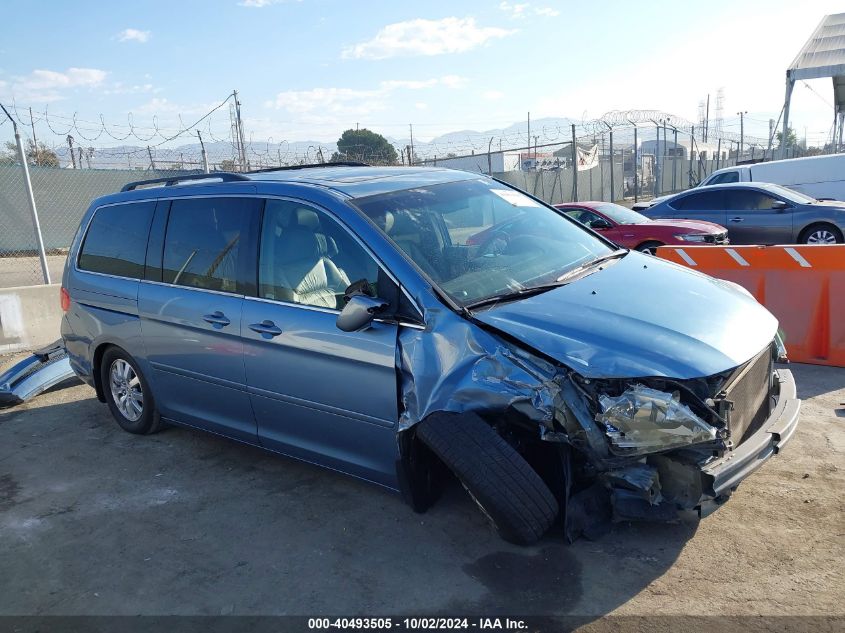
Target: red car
(633, 230)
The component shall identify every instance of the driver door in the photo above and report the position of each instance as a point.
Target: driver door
(318, 393)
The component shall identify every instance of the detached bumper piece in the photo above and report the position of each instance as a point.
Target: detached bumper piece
(45, 368)
(723, 475)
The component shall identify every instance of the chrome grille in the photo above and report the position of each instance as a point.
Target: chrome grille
(747, 395)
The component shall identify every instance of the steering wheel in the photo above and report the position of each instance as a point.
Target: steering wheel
(496, 244)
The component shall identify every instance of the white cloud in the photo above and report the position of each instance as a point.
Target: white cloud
(259, 4)
(133, 35)
(518, 11)
(335, 105)
(493, 95)
(515, 10)
(421, 106)
(425, 37)
(49, 85)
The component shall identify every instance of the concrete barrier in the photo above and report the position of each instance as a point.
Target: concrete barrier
(29, 317)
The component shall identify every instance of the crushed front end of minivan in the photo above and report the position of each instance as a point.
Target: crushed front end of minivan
(628, 412)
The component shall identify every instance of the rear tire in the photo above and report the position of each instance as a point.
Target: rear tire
(649, 248)
(128, 393)
(505, 487)
(821, 233)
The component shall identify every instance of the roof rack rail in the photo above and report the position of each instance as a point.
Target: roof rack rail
(340, 163)
(170, 181)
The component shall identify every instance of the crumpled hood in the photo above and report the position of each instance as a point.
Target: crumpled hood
(640, 316)
(697, 226)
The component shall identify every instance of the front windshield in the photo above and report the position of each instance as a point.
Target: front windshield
(790, 194)
(478, 239)
(620, 214)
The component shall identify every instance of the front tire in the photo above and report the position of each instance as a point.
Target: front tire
(128, 393)
(505, 487)
(821, 234)
(649, 248)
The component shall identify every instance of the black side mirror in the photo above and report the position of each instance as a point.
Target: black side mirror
(779, 205)
(359, 312)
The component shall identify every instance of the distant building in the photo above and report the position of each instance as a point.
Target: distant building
(499, 162)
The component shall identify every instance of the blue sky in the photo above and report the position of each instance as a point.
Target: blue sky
(309, 69)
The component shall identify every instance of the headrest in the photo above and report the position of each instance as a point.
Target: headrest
(307, 219)
(384, 220)
(296, 244)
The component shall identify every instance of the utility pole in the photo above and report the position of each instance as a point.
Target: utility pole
(771, 137)
(240, 130)
(674, 160)
(574, 167)
(636, 159)
(36, 225)
(489, 160)
(70, 147)
(707, 120)
(205, 168)
(410, 161)
(529, 132)
(612, 188)
(34, 139)
(741, 133)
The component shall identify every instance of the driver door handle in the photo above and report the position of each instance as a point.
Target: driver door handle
(736, 219)
(267, 329)
(217, 319)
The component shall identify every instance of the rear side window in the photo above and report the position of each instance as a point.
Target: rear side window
(116, 242)
(205, 242)
(704, 201)
(731, 176)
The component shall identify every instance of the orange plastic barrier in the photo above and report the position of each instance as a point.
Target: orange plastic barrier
(803, 286)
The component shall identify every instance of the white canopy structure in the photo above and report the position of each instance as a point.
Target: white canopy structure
(822, 56)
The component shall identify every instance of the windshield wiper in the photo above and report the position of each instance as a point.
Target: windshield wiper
(578, 270)
(535, 290)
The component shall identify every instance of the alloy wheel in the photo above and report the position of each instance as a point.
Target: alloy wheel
(821, 236)
(126, 390)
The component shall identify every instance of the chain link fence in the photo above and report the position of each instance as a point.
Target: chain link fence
(61, 196)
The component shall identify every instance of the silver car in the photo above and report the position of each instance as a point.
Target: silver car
(758, 213)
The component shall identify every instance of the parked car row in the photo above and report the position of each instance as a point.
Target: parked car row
(820, 177)
(754, 213)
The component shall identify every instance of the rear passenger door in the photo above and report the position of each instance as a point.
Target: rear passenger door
(752, 218)
(190, 305)
(319, 393)
(708, 206)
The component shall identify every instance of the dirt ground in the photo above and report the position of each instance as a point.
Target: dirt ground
(96, 521)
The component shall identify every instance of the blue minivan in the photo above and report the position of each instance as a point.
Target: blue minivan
(349, 316)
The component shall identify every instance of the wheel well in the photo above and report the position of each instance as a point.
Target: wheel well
(644, 242)
(95, 370)
(806, 230)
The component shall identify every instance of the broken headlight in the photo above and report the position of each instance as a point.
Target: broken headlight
(644, 420)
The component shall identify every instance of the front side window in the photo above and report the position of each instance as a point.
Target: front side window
(307, 258)
(116, 243)
(477, 239)
(204, 241)
(747, 200)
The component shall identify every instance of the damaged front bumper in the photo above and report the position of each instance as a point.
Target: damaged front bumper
(661, 485)
(722, 476)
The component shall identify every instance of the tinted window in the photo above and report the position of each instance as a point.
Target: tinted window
(117, 240)
(704, 201)
(745, 199)
(306, 257)
(731, 176)
(204, 241)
